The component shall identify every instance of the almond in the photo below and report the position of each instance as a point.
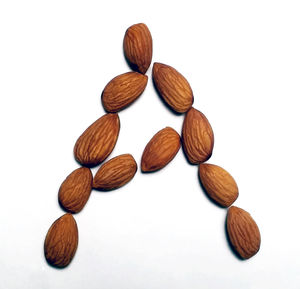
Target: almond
(61, 241)
(137, 46)
(98, 140)
(75, 190)
(197, 137)
(172, 87)
(243, 233)
(122, 90)
(115, 173)
(218, 184)
(160, 150)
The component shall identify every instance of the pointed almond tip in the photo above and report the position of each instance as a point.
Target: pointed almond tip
(203, 165)
(233, 209)
(137, 24)
(158, 65)
(201, 169)
(191, 110)
(68, 217)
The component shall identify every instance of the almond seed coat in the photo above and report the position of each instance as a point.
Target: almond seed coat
(98, 140)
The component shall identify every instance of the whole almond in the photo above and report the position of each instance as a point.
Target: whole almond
(75, 190)
(115, 173)
(243, 232)
(61, 241)
(172, 87)
(160, 150)
(137, 46)
(218, 184)
(197, 137)
(98, 140)
(122, 90)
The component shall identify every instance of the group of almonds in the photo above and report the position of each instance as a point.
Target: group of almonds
(99, 139)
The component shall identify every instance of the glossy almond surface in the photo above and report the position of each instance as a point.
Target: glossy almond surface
(61, 241)
(243, 232)
(137, 46)
(197, 137)
(98, 140)
(122, 90)
(172, 87)
(75, 190)
(160, 150)
(218, 184)
(115, 173)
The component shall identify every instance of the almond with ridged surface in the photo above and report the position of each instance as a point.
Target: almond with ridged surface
(197, 137)
(98, 140)
(61, 241)
(115, 173)
(243, 232)
(218, 184)
(137, 46)
(160, 150)
(172, 87)
(123, 90)
(75, 190)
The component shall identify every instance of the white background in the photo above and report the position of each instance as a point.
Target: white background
(242, 59)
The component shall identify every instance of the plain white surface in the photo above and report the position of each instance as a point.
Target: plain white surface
(160, 231)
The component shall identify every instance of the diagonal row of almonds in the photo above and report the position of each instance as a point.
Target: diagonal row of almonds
(99, 139)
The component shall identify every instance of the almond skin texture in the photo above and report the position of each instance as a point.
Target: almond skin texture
(137, 46)
(115, 173)
(122, 90)
(218, 184)
(75, 191)
(160, 150)
(243, 232)
(98, 140)
(61, 241)
(172, 87)
(197, 137)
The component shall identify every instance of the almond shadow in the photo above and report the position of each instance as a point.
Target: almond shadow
(55, 267)
(151, 172)
(106, 190)
(86, 166)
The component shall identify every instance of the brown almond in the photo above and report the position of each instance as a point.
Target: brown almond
(137, 46)
(218, 184)
(115, 173)
(75, 190)
(122, 90)
(61, 241)
(172, 87)
(98, 140)
(243, 233)
(197, 137)
(160, 150)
